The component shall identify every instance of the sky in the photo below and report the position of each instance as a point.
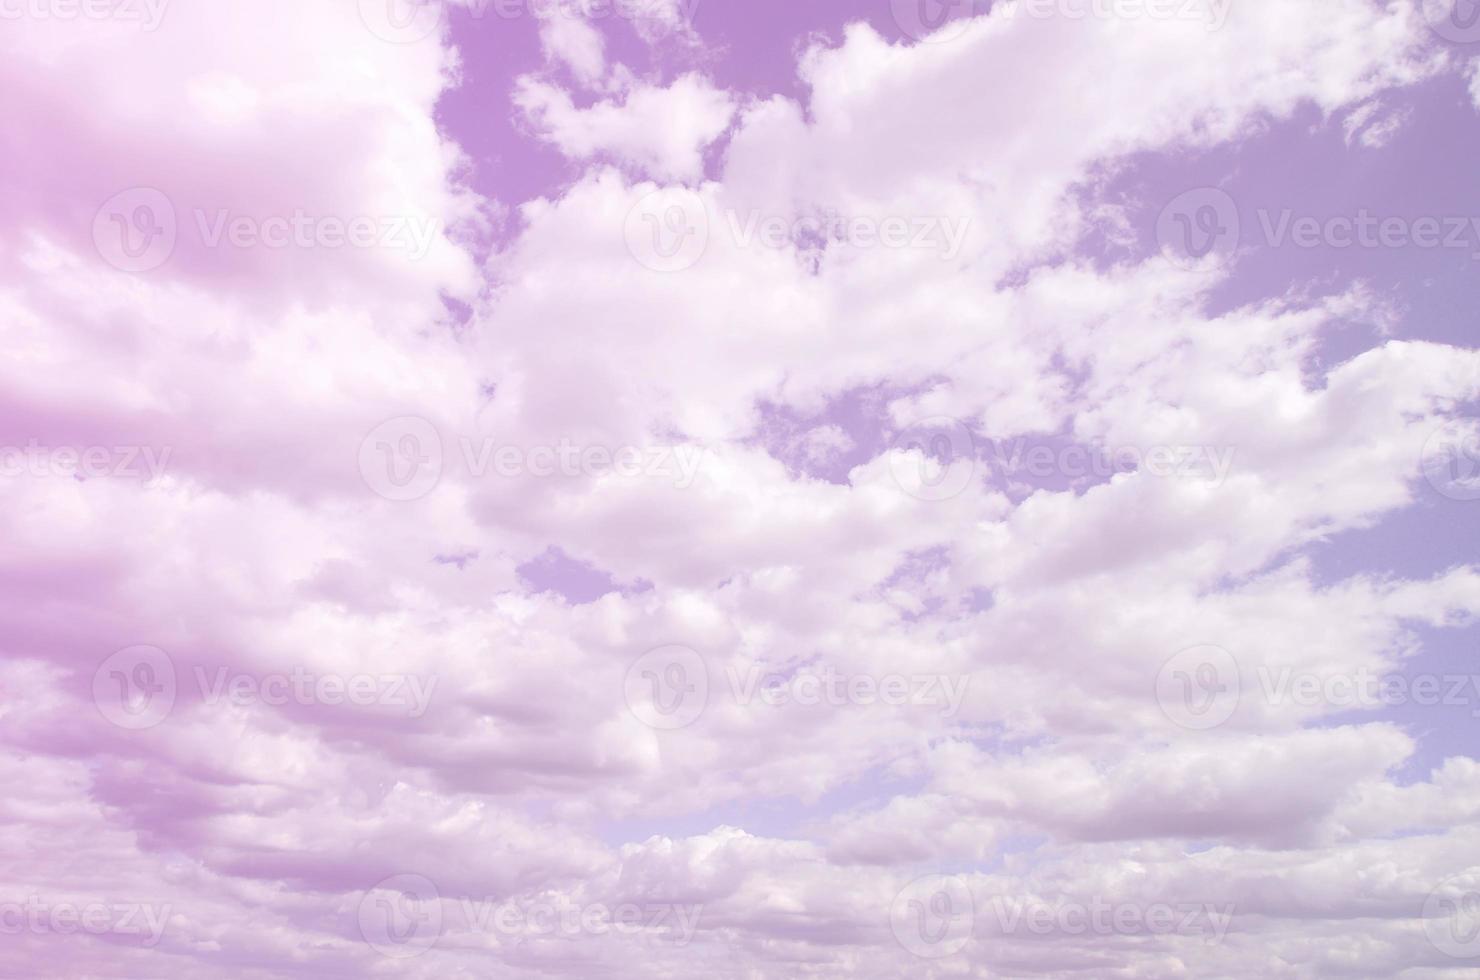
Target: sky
(765, 490)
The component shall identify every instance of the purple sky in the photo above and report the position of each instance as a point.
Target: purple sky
(752, 490)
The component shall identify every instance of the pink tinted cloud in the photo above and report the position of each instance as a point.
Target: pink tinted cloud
(738, 490)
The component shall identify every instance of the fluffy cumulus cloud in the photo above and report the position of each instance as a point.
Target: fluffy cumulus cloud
(933, 490)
